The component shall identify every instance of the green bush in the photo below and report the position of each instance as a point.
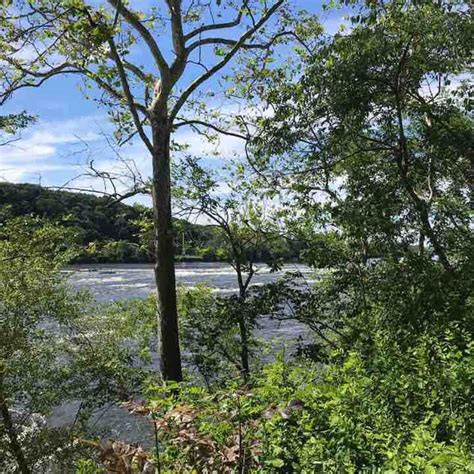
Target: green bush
(305, 418)
(56, 347)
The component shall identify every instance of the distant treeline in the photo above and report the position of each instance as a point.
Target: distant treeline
(114, 232)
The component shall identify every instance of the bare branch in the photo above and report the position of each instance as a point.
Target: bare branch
(42, 76)
(217, 67)
(262, 46)
(215, 26)
(136, 70)
(10, 141)
(129, 96)
(225, 41)
(195, 122)
(135, 23)
(115, 198)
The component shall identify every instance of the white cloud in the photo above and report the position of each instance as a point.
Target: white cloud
(198, 145)
(30, 173)
(59, 151)
(15, 154)
(44, 148)
(46, 141)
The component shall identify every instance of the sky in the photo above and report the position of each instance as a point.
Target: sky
(71, 130)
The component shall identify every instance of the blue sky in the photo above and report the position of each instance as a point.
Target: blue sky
(70, 129)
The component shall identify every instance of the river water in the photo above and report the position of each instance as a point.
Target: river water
(123, 281)
(119, 281)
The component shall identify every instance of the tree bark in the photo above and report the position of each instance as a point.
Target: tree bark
(244, 349)
(14, 443)
(170, 355)
(244, 344)
(421, 207)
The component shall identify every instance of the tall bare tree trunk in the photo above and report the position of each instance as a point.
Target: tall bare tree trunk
(244, 348)
(170, 356)
(244, 343)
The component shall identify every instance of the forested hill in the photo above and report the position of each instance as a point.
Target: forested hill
(111, 232)
(107, 231)
(96, 218)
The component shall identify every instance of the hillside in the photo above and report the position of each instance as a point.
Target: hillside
(96, 218)
(107, 231)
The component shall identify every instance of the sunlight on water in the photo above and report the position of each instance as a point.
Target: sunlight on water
(112, 282)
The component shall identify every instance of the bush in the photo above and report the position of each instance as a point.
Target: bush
(305, 418)
(55, 347)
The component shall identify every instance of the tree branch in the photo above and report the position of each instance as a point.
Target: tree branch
(215, 26)
(177, 27)
(225, 41)
(231, 42)
(43, 76)
(135, 23)
(194, 122)
(129, 96)
(217, 67)
(111, 90)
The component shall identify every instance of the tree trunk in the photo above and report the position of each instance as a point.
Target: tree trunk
(244, 343)
(244, 349)
(421, 244)
(421, 207)
(170, 356)
(427, 229)
(14, 443)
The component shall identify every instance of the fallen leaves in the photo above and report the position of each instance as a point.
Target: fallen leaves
(119, 457)
(180, 428)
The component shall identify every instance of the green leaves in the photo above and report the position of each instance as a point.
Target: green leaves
(55, 346)
(305, 417)
(337, 133)
(220, 51)
(12, 123)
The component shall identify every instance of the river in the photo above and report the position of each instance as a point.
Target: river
(119, 281)
(109, 282)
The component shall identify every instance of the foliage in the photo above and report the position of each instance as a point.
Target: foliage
(367, 150)
(111, 232)
(394, 396)
(211, 332)
(345, 417)
(209, 329)
(113, 251)
(55, 347)
(92, 218)
(371, 151)
(381, 150)
(245, 228)
(12, 124)
(248, 233)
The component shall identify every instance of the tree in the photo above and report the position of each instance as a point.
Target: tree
(75, 37)
(54, 348)
(373, 146)
(11, 124)
(374, 140)
(248, 231)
